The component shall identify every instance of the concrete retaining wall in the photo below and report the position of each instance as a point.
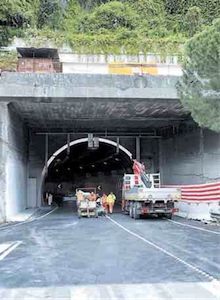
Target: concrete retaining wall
(13, 153)
(191, 158)
(58, 86)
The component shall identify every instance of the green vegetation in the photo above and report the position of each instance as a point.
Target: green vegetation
(200, 86)
(8, 61)
(107, 26)
(14, 16)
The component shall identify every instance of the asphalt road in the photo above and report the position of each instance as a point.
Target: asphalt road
(61, 257)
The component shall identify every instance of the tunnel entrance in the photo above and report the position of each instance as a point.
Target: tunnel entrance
(77, 166)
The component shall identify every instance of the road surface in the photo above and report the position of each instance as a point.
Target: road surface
(61, 257)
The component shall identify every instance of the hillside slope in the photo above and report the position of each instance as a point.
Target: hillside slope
(105, 26)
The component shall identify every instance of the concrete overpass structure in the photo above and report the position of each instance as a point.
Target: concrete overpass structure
(40, 113)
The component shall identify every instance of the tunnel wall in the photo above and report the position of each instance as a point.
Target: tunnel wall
(150, 154)
(3, 148)
(191, 158)
(13, 153)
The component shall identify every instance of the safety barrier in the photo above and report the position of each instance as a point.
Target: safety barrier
(197, 200)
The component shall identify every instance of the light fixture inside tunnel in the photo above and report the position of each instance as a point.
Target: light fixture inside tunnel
(93, 142)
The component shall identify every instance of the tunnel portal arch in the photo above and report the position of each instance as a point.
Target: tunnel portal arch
(71, 144)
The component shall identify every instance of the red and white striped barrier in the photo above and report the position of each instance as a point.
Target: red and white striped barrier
(197, 200)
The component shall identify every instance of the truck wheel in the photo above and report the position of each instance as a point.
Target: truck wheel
(131, 210)
(126, 209)
(160, 215)
(135, 214)
(169, 216)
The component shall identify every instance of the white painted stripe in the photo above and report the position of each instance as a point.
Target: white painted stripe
(4, 247)
(10, 249)
(199, 186)
(43, 216)
(201, 198)
(192, 267)
(194, 227)
(203, 191)
(29, 221)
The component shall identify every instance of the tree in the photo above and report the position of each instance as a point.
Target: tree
(210, 9)
(15, 14)
(109, 16)
(200, 86)
(18, 12)
(173, 6)
(148, 8)
(50, 14)
(193, 20)
(89, 4)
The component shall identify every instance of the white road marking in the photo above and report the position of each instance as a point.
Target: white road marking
(50, 212)
(28, 221)
(9, 249)
(144, 291)
(194, 268)
(4, 247)
(194, 227)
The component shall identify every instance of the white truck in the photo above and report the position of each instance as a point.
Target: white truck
(143, 195)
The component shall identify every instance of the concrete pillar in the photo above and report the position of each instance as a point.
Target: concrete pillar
(3, 152)
(161, 163)
(138, 148)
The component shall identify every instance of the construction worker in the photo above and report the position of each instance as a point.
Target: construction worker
(104, 201)
(110, 202)
(92, 196)
(50, 199)
(79, 196)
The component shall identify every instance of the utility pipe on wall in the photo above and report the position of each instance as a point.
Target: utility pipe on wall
(138, 148)
(46, 151)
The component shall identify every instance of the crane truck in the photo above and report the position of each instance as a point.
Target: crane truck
(142, 194)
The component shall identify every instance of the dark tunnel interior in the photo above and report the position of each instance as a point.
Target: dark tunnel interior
(81, 167)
